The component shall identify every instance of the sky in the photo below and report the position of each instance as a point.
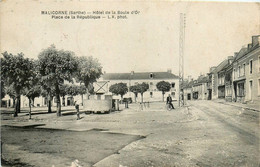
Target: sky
(144, 42)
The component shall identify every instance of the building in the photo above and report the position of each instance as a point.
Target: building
(229, 82)
(222, 78)
(246, 73)
(217, 76)
(133, 78)
(199, 88)
(187, 89)
(209, 82)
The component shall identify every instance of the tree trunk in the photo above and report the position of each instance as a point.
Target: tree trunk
(30, 109)
(135, 97)
(58, 110)
(19, 104)
(82, 99)
(162, 96)
(15, 107)
(142, 97)
(32, 101)
(49, 102)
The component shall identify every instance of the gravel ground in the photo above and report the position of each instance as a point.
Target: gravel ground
(203, 133)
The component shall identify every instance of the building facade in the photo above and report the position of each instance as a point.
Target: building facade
(133, 78)
(246, 73)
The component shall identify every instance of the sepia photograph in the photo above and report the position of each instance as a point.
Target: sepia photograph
(130, 83)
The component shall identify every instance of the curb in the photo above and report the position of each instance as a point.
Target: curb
(248, 108)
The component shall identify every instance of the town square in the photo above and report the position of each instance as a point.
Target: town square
(159, 84)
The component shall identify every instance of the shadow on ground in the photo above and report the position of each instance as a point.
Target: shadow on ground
(89, 147)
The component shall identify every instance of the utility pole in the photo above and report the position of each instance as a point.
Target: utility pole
(181, 57)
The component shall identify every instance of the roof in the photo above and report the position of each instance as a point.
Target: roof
(252, 46)
(201, 80)
(138, 76)
(241, 53)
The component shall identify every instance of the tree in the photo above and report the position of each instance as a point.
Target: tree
(48, 93)
(89, 69)
(56, 66)
(16, 70)
(63, 92)
(141, 88)
(119, 89)
(11, 93)
(33, 88)
(72, 90)
(134, 89)
(163, 86)
(2, 89)
(83, 90)
(31, 93)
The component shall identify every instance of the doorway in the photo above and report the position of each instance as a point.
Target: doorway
(189, 96)
(250, 90)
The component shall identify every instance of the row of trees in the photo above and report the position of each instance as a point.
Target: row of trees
(121, 88)
(47, 75)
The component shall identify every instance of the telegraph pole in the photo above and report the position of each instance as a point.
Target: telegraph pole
(181, 57)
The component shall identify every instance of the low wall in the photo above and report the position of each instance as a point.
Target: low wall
(97, 105)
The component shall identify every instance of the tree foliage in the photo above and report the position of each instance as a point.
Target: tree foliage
(89, 69)
(141, 88)
(119, 89)
(134, 89)
(56, 66)
(163, 86)
(16, 71)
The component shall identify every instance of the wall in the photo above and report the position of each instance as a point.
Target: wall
(156, 95)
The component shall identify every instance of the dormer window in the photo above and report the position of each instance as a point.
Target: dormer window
(173, 84)
(151, 75)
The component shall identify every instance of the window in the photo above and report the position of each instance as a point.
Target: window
(244, 70)
(239, 71)
(234, 74)
(251, 66)
(151, 75)
(151, 94)
(173, 94)
(173, 84)
(258, 86)
(151, 83)
(241, 89)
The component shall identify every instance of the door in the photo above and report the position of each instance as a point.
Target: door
(189, 96)
(210, 94)
(250, 90)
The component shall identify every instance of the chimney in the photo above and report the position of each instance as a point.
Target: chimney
(230, 59)
(255, 40)
(169, 70)
(249, 46)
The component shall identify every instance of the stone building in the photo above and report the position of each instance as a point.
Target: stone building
(199, 88)
(246, 72)
(217, 75)
(132, 78)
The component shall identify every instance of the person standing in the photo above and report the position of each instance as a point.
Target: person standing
(169, 101)
(77, 110)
